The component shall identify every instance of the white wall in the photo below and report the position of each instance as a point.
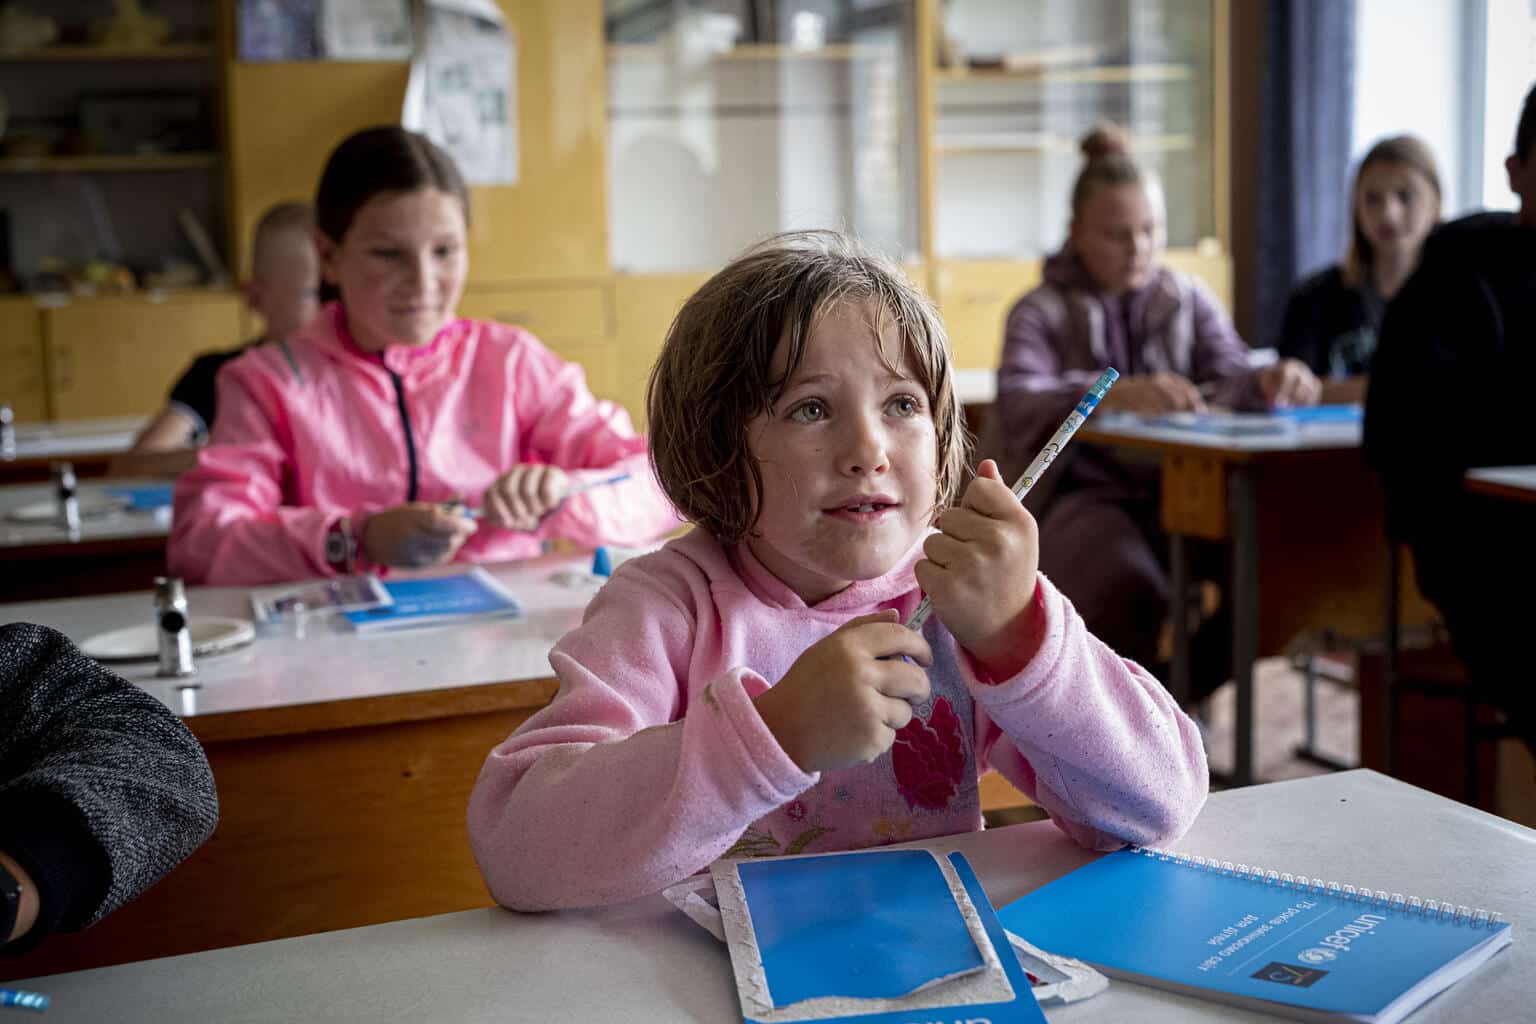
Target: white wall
(1408, 78)
(1511, 73)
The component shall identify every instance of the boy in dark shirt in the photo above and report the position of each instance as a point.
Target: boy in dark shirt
(283, 289)
(1448, 393)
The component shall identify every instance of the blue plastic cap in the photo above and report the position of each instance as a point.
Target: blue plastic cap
(602, 565)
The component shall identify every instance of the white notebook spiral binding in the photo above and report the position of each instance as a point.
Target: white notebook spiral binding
(1439, 910)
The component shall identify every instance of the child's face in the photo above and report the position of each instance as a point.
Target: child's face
(400, 267)
(1396, 207)
(285, 283)
(848, 456)
(1118, 234)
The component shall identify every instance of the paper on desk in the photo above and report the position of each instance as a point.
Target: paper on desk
(462, 91)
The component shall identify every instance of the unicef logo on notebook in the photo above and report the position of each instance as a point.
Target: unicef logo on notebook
(1317, 955)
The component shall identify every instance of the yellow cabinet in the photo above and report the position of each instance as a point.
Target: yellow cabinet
(25, 383)
(644, 305)
(571, 319)
(284, 120)
(119, 355)
(974, 298)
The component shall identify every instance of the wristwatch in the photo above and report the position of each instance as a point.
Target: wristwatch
(341, 545)
(10, 903)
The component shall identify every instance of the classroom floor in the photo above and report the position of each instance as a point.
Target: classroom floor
(1279, 723)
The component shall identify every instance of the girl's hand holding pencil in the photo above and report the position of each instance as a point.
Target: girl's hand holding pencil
(979, 572)
(524, 495)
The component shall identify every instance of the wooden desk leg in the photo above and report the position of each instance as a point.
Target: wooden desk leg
(1178, 608)
(1241, 493)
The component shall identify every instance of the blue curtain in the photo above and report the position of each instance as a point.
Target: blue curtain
(1307, 107)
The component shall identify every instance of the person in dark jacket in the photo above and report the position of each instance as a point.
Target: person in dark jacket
(1333, 317)
(102, 789)
(1447, 393)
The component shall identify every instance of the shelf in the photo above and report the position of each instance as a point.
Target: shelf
(1102, 75)
(171, 51)
(126, 162)
(1025, 143)
(750, 51)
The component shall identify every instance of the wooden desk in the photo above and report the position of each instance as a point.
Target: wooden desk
(343, 762)
(1303, 516)
(122, 551)
(1516, 483)
(89, 445)
(644, 961)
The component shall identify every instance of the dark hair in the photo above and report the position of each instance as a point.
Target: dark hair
(1107, 160)
(279, 219)
(715, 372)
(385, 158)
(1404, 151)
(1525, 134)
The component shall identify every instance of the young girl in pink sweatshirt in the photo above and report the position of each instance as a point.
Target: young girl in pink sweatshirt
(750, 689)
(358, 442)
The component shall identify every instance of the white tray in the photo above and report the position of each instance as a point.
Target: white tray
(210, 635)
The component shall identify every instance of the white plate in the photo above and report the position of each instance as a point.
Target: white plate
(95, 506)
(210, 635)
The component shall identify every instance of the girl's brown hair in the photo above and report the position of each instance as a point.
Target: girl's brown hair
(1405, 151)
(386, 158)
(1107, 160)
(715, 373)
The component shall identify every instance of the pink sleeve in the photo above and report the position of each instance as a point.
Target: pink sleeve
(564, 425)
(618, 788)
(230, 525)
(1092, 737)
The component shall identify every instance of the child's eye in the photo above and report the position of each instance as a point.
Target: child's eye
(808, 412)
(904, 406)
(442, 252)
(385, 254)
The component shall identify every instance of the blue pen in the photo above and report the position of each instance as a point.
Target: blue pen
(1047, 455)
(25, 1000)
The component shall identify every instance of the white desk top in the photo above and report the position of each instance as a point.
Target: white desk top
(1519, 477)
(1109, 426)
(64, 438)
(332, 662)
(644, 961)
(116, 526)
(975, 387)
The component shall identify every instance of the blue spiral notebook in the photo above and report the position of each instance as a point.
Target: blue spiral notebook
(1297, 947)
(873, 936)
(467, 597)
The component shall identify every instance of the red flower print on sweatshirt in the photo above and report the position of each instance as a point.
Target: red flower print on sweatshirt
(929, 758)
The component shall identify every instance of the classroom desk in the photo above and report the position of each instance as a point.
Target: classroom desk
(87, 444)
(1302, 514)
(343, 762)
(644, 961)
(110, 553)
(1516, 483)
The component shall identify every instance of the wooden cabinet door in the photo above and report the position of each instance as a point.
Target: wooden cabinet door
(974, 298)
(24, 381)
(119, 355)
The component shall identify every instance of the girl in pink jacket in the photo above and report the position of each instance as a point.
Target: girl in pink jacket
(750, 689)
(390, 432)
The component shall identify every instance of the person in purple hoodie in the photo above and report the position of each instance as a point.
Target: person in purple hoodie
(1107, 300)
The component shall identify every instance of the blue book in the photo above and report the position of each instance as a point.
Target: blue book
(467, 597)
(1296, 947)
(873, 936)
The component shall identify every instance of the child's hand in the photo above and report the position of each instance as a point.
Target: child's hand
(1289, 382)
(840, 704)
(1153, 394)
(980, 574)
(525, 494)
(414, 535)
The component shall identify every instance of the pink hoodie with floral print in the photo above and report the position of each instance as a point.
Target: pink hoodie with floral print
(652, 760)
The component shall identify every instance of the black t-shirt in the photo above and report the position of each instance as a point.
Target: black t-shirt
(195, 393)
(1331, 326)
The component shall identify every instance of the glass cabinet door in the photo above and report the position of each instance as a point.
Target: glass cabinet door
(729, 121)
(1019, 82)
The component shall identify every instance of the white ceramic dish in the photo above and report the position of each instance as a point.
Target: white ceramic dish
(210, 635)
(95, 506)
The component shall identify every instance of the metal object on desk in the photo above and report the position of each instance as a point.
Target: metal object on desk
(175, 639)
(65, 493)
(7, 432)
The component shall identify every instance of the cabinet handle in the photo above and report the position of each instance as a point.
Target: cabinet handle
(518, 318)
(64, 377)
